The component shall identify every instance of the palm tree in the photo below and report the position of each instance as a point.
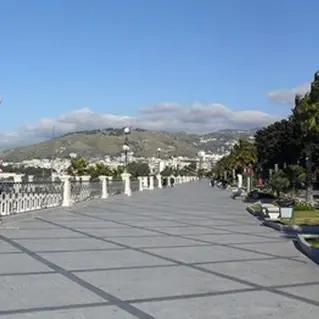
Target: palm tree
(243, 155)
(79, 167)
(306, 115)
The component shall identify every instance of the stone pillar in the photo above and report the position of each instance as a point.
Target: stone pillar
(103, 180)
(276, 168)
(17, 178)
(110, 179)
(270, 172)
(179, 179)
(159, 178)
(248, 184)
(141, 182)
(145, 182)
(240, 180)
(151, 186)
(66, 201)
(127, 183)
(234, 174)
(30, 178)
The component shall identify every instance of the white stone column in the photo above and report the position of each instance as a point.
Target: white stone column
(30, 178)
(159, 178)
(151, 186)
(127, 184)
(103, 180)
(145, 182)
(141, 183)
(240, 180)
(17, 178)
(110, 179)
(248, 184)
(66, 201)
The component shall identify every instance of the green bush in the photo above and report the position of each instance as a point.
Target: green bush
(303, 206)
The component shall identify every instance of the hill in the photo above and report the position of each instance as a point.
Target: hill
(98, 143)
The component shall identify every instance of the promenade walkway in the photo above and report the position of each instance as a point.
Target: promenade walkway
(187, 252)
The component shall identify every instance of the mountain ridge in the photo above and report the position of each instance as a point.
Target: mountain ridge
(98, 143)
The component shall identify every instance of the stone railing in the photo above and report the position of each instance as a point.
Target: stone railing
(16, 198)
(22, 197)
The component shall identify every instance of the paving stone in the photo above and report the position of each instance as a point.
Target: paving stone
(129, 258)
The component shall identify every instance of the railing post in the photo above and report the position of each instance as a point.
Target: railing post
(141, 180)
(17, 178)
(159, 178)
(240, 181)
(105, 194)
(127, 184)
(145, 182)
(66, 199)
(151, 186)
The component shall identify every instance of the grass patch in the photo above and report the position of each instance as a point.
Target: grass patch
(314, 242)
(307, 217)
(254, 209)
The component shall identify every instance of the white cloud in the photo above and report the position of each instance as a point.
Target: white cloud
(287, 96)
(166, 116)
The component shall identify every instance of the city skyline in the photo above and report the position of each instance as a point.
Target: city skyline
(171, 65)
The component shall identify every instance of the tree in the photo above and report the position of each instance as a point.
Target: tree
(167, 171)
(99, 169)
(295, 175)
(278, 143)
(279, 182)
(138, 169)
(306, 117)
(78, 167)
(241, 156)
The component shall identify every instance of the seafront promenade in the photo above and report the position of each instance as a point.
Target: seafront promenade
(178, 253)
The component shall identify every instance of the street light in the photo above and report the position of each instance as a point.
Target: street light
(201, 155)
(126, 146)
(159, 159)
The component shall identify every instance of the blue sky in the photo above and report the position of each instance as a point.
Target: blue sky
(86, 58)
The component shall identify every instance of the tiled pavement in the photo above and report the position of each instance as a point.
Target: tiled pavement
(187, 252)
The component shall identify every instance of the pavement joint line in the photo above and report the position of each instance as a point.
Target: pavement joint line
(197, 240)
(196, 225)
(35, 273)
(178, 213)
(53, 308)
(72, 277)
(199, 268)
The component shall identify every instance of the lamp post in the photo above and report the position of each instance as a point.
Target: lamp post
(126, 146)
(201, 155)
(159, 159)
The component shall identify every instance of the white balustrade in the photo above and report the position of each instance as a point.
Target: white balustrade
(18, 197)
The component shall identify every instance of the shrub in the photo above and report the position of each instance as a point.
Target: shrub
(303, 206)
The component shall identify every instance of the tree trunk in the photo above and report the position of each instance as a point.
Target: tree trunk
(309, 186)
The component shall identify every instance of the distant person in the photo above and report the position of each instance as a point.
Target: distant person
(212, 183)
(172, 181)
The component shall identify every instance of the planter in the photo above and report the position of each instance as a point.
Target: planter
(297, 229)
(306, 247)
(286, 212)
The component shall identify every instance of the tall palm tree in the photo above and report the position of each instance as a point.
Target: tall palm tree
(306, 115)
